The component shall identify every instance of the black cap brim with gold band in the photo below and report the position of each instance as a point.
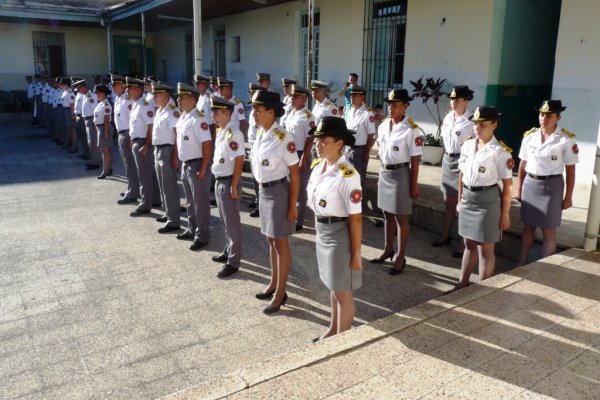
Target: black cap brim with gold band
(461, 92)
(299, 91)
(398, 95)
(184, 88)
(334, 127)
(134, 82)
(551, 106)
(219, 103)
(485, 113)
(160, 87)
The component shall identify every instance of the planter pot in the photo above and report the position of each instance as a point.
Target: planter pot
(433, 154)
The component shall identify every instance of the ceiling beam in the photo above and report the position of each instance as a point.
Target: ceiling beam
(62, 14)
(130, 8)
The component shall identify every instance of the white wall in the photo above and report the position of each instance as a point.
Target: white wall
(169, 45)
(577, 78)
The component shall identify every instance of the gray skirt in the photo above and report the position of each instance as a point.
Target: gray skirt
(67, 117)
(393, 191)
(273, 205)
(102, 141)
(333, 257)
(541, 201)
(450, 172)
(479, 216)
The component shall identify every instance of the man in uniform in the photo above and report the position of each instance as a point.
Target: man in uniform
(141, 120)
(287, 93)
(214, 86)
(202, 82)
(264, 80)
(194, 145)
(31, 94)
(45, 89)
(323, 107)
(298, 123)
(37, 98)
(238, 117)
(148, 96)
(67, 99)
(87, 112)
(80, 99)
(122, 111)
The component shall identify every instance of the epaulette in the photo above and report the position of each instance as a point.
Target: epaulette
(106, 102)
(315, 162)
(172, 106)
(529, 132)
(127, 97)
(329, 105)
(412, 123)
(369, 109)
(199, 113)
(146, 102)
(346, 172)
(88, 94)
(280, 134)
(508, 149)
(308, 113)
(466, 140)
(568, 133)
(237, 101)
(229, 134)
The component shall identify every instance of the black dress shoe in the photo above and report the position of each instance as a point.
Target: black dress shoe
(456, 254)
(440, 243)
(162, 219)
(220, 258)
(299, 227)
(137, 212)
(272, 309)
(381, 259)
(168, 228)
(457, 287)
(92, 167)
(227, 270)
(213, 203)
(156, 205)
(197, 246)
(398, 271)
(186, 235)
(127, 200)
(315, 340)
(379, 223)
(265, 295)
(255, 213)
(183, 209)
(252, 205)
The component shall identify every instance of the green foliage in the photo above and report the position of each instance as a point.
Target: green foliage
(429, 91)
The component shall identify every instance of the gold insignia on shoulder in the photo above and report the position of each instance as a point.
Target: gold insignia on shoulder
(146, 102)
(568, 133)
(346, 172)
(466, 140)
(307, 113)
(508, 149)
(412, 123)
(237, 101)
(315, 162)
(172, 106)
(529, 132)
(280, 134)
(369, 109)
(200, 113)
(229, 134)
(328, 105)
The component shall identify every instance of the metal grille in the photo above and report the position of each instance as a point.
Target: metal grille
(49, 53)
(304, 47)
(383, 47)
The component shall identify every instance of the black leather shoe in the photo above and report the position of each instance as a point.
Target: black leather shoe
(440, 243)
(220, 258)
(272, 309)
(183, 209)
(299, 227)
(456, 288)
(162, 219)
(168, 228)
(92, 167)
(379, 223)
(255, 213)
(156, 205)
(213, 203)
(137, 212)
(127, 200)
(265, 295)
(186, 235)
(252, 205)
(398, 271)
(227, 270)
(197, 246)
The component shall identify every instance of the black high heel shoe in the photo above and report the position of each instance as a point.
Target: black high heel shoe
(398, 271)
(271, 309)
(103, 176)
(381, 260)
(265, 295)
(440, 243)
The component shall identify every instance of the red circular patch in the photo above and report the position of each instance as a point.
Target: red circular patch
(233, 145)
(204, 126)
(92, 101)
(334, 111)
(575, 149)
(129, 106)
(371, 119)
(107, 110)
(241, 110)
(356, 196)
(291, 147)
(150, 114)
(312, 124)
(176, 114)
(419, 141)
(72, 97)
(510, 163)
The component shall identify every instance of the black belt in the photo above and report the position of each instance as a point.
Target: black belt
(479, 188)
(160, 146)
(273, 183)
(78, 115)
(359, 147)
(193, 160)
(452, 154)
(138, 139)
(124, 130)
(224, 178)
(330, 220)
(88, 118)
(395, 166)
(543, 177)
(99, 125)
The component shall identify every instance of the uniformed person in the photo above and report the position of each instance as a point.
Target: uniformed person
(227, 167)
(323, 106)
(299, 122)
(195, 148)
(80, 100)
(483, 211)
(148, 96)
(226, 92)
(334, 195)
(102, 121)
(87, 113)
(122, 112)
(44, 101)
(264, 80)
(400, 150)
(201, 83)
(214, 86)
(456, 128)
(545, 153)
(67, 100)
(58, 119)
(287, 84)
(166, 162)
(51, 108)
(252, 130)
(37, 91)
(141, 120)
(274, 158)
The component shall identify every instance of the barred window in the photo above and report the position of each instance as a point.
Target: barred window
(49, 53)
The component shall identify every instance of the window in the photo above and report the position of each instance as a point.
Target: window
(304, 47)
(49, 53)
(235, 49)
(219, 68)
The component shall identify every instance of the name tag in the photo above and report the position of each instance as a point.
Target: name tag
(482, 170)
(186, 137)
(554, 157)
(265, 163)
(395, 148)
(221, 161)
(322, 203)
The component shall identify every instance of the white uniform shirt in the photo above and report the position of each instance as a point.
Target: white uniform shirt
(298, 123)
(335, 192)
(37, 89)
(102, 109)
(123, 106)
(324, 109)
(238, 111)
(165, 120)
(192, 131)
(252, 127)
(486, 166)
(79, 100)
(456, 130)
(31, 90)
(362, 121)
(229, 144)
(90, 103)
(149, 97)
(56, 97)
(399, 143)
(204, 106)
(550, 157)
(287, 100)
(45, 93)
(142, 115)
(67, 98)
(272, 153)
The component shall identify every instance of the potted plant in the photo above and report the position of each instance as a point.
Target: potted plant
(431, 90)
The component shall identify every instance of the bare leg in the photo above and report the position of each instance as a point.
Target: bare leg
(549, 235)
(404, 228)
(346, 310)
(284, 259)
(274, 275)
(106, 160)
(487, 260)
(73, 141)
(526, 243)
(449, 215)
(468, 262)
(390, 229)
(333, 324)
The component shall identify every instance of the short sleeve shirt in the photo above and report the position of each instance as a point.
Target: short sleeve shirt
(550, 157)
(164, 122)
(456, 130)
(192, 131)
(142, 115)
(89, 104)
(273, 152)
(298, 123)
(79, 99)
(324, 109)
(67, 98)
(486, 166)
(229, 144)
(398, 143)
(204, 106)
(102, 109)
(362, 121)
(123, 106)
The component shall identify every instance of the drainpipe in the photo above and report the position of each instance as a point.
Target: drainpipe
(198, 37)
(109, 42)
(144, 46)
(309, 55)
(592, 225)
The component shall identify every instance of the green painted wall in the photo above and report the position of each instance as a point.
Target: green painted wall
(127, 51)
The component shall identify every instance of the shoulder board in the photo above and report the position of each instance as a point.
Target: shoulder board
(465, 141)
(308, 113)
(328, 105)
(106, 102)
(229, 134)
(127, 97)
(412, 123)
(88, 94)
(199, 113)
(146, 102)
(569, 133)
(369, 109)
(508, 149)
(346, 172)
(529, 132)
(237, 101)
(280, 134)
(172, 106)
(315, 162)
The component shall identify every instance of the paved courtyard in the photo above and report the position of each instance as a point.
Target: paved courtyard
(96, 304)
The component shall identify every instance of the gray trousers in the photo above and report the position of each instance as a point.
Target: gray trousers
(149, 192)
(92, 140)
(167, 182)
(133, 182)
(197, 194)
(302, 197)
(229, 211)
(51, 114)
(356, 158)
(82, 136)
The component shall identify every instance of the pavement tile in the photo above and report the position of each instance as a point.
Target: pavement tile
(21, 384)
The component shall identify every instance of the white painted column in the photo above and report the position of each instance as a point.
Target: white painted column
(198, 37)
(592, 225)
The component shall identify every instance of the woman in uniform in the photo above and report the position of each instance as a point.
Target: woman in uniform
(456, 128)
(102, 118)
(545, 153)
(335, 194)
(400, 149)
(483, 209)
(274, 157)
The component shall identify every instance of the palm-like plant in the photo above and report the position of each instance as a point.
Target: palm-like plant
(431, 89)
